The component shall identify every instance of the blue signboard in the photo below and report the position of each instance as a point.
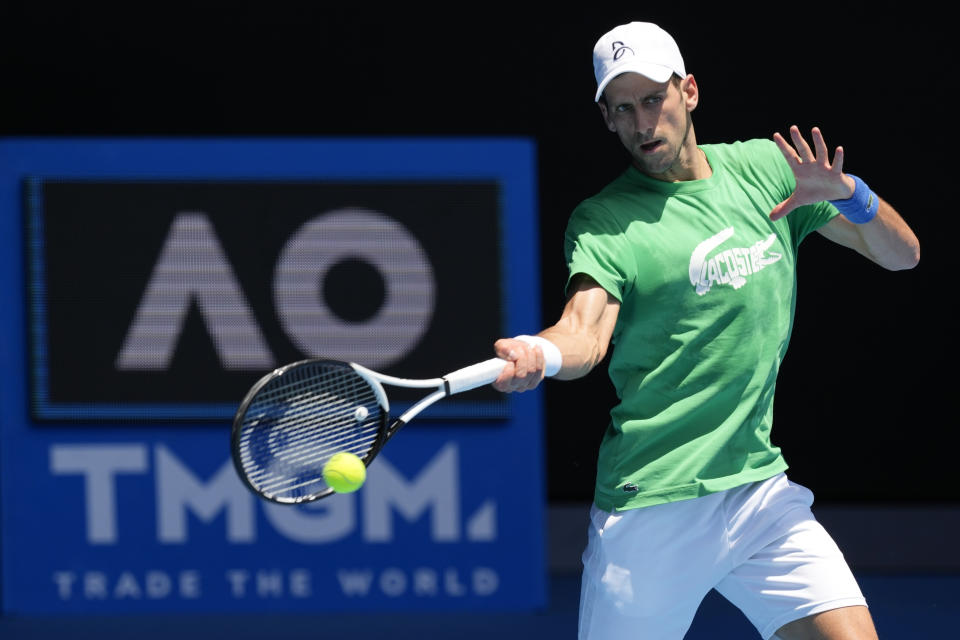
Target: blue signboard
(148, 283)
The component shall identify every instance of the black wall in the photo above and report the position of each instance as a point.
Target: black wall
(865, 396)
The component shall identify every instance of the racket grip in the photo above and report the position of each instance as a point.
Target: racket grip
(476, 375)
(552, 358)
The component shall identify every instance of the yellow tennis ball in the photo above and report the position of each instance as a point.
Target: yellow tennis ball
(344, 472)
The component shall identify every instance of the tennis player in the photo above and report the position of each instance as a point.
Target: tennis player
(687, 263)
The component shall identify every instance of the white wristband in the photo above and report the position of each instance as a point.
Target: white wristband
(552, 357)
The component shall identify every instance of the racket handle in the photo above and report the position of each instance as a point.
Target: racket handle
(476, 375)
(552, 358)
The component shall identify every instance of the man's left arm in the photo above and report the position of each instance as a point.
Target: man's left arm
(886, 239)
(867, 224)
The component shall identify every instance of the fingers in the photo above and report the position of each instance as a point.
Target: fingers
(800, 151)
(789, 152)
(816, 178)
(785, 147)
(803, 149)
(838, 160)
(782, 209)
(526, 368)
(820, 145)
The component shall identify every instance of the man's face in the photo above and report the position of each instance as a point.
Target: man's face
(652, 120)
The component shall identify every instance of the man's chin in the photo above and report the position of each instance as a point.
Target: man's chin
(652, 169)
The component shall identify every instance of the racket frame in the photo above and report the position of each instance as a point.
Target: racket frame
(241, 413)
(457, 381)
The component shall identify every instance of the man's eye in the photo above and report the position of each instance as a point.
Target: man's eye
(653, 100)
(623, 108)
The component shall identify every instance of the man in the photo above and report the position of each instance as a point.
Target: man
(687, 263)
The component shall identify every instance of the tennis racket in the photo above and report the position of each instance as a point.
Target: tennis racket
(295, 418)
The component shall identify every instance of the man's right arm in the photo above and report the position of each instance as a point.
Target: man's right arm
(582, 335)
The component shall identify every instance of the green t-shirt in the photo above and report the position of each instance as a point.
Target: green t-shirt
(707, 286)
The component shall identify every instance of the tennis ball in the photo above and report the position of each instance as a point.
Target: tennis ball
(344, 472)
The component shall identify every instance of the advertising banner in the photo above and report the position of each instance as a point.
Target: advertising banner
(150, 282)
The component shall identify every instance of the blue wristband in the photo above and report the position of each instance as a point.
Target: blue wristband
(862, 206)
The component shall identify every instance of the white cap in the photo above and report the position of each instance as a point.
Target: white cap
(641, 47)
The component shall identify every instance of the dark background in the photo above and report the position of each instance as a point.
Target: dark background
(863, 405)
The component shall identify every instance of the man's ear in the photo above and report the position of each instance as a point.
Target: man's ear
(690, 91)
(606, 115)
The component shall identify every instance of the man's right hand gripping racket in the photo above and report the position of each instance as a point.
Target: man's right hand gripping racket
(295, 418)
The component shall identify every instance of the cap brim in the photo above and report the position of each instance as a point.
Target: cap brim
(656, 72)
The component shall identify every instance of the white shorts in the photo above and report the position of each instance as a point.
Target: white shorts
(647, 570)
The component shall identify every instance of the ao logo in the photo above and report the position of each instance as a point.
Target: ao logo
(193, 267)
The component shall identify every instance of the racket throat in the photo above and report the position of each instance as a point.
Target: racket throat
(398, 424)
(408, 415)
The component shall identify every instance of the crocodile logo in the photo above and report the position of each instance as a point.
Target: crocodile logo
(711, 266)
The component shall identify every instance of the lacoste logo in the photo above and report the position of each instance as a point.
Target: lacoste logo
(731, 266)
(619, 49)
(630, 488)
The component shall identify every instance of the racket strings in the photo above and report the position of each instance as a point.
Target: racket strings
(299, 420)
